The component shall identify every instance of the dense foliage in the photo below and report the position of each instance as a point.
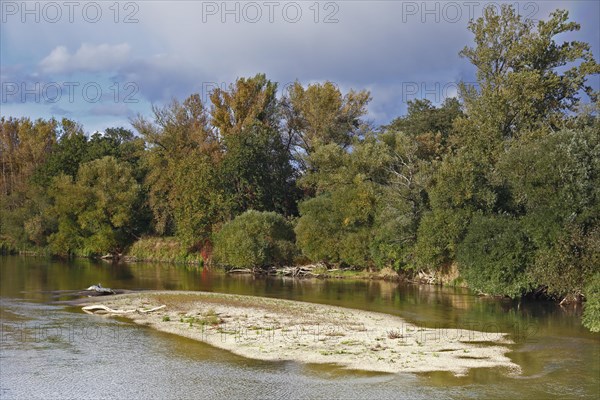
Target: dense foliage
(503, 181)
(591, 313)
(255, 239)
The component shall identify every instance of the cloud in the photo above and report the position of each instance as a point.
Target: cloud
(88, 58)
(117, 110)
(397, 50)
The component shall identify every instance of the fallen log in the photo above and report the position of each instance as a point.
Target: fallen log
(240, 271)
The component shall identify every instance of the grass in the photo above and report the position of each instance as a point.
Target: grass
(393, 334)
(8, 246)
(210, 317)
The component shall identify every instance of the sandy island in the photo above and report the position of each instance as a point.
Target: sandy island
(276, 329)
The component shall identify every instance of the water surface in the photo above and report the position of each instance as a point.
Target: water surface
(52, 351)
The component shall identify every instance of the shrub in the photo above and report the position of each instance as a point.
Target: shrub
(330, 230)
(255, 239)
(318, 230)
(591, 310)
(7, 245)
(494, 256)
(166, 249)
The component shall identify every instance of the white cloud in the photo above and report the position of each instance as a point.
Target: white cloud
(176, 49)
(88, 58)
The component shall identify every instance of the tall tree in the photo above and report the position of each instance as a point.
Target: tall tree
(178, 138)
(320, 114)
(525, 80)
(248, 102)
(94, 212)
(526, 85)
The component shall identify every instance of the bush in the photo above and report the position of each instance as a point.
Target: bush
(255, 239)
(161, 249)
(438, 232)
(591, 310)
(494, 256)
(331, 230)
(7, 245)
(318, 230)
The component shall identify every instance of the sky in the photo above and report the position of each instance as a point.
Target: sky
(102, 63)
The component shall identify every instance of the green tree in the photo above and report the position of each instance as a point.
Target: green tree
(255, 239)
(66, 156)
(181, 147)
(429, 126)
(337, 225)
(402, 202)
(526, 85)
(250, 101)
(526, 80)
(120, 143)
(555, 186)
(494, 256)
(591, 310)
(94, 212)
(319, 115)
(25, 147)
(258, 171)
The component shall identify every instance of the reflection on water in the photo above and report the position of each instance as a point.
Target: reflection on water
(48, 351)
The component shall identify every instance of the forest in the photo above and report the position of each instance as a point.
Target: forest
(502, 182)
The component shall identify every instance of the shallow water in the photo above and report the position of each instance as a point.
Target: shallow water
(53, 351)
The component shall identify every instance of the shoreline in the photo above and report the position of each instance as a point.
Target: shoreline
(385, 274)
(276, 329)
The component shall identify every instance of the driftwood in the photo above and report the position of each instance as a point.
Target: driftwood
(240, 271)
(97, 290)
(427, 277)
(108, 310)
(302, 271)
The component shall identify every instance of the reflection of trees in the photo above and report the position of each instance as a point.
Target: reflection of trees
(427, 305)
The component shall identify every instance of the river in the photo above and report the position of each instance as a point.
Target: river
(49, 350)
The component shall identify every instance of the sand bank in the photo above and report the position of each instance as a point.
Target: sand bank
(276, 329)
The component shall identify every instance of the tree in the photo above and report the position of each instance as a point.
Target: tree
(321, 115)
(120, 143)
(402, 202)
(526, 80)
(494, 256)
(255, 239)
(250, 101)
(206, 169)
(181, 145)
(337, 225)
(555, 186)
(197, 198)
(255, 163)
(94, 212)
(25, 147)
(429, 126)
(591, 311)
(526, 85)
(66, 156)
(258, 172)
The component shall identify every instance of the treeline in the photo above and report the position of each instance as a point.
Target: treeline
(503, 182)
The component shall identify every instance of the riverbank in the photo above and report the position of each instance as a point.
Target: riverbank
(275, 329)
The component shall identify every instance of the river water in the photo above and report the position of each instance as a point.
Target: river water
(53, 351)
